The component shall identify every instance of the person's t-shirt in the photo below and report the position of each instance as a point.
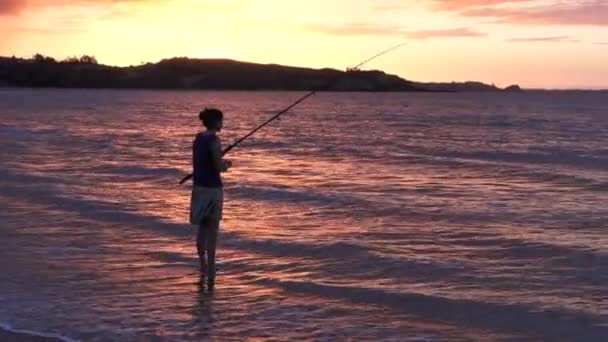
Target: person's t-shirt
(205, 174)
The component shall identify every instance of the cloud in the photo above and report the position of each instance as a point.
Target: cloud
(530, 12)
(8, 7)
(582, 14)
(362, 29)
(446, 5)
(518, 12)
(12, 7)
(461, 32)
(65, 16)
(354, 29)
(457, 5)
(550, 39)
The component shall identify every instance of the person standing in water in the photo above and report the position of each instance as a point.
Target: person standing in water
(207, 192)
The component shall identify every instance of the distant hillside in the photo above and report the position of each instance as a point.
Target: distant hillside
(220, 74)
(459, 87)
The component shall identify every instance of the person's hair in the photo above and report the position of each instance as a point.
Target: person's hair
(211, 117)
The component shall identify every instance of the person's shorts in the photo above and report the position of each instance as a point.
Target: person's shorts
(206, 204)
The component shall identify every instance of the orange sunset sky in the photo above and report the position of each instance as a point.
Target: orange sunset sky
(535, 43)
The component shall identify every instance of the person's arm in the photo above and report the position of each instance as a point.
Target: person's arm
(216, 156)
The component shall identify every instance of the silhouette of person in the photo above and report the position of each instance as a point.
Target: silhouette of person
(207, 192)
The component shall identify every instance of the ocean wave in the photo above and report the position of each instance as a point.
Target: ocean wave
(545, 324)
(15, 133)
(556, 157)
(32, 333)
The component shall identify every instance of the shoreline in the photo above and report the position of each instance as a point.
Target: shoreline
(13, 335)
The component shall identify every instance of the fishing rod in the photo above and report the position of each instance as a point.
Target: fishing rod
(300, 100)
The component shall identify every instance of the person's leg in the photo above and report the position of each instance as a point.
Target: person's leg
(201, 245)
(212, 231)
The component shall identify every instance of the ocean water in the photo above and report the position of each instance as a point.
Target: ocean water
(422, 217)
